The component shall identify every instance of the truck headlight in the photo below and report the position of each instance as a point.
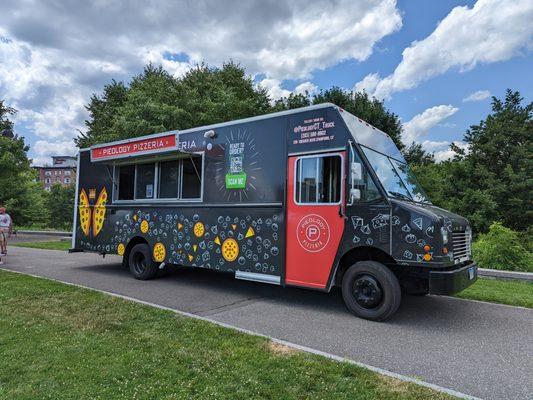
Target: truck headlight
(469, 240)
(469, 233)
(444, 233)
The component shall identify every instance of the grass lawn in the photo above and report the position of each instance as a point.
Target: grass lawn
(51, 245)
(514, 293)
(63, 342)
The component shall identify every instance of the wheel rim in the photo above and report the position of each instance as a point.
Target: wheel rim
(367, 291)
(139, 263)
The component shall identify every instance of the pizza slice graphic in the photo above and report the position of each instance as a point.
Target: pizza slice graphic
(99, 212)
(85, 212)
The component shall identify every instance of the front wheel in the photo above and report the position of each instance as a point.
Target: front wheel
(370, 290)
(141, 264)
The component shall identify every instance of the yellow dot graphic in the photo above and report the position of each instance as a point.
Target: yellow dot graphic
(121, 249)
(159, 252)
(230, 249)
(144, 226)
(199, 229)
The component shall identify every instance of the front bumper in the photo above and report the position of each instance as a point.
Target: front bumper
(453, 281)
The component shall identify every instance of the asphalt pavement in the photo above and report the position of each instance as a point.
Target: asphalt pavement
(484, 350)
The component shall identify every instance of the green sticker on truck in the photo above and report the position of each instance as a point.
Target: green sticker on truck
(236, 181)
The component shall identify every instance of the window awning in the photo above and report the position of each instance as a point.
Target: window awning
(136, 147)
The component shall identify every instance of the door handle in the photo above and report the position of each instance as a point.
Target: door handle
(341, 212)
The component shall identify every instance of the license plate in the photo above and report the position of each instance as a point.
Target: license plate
(471, 273)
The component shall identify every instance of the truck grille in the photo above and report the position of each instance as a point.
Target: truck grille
(461, 245)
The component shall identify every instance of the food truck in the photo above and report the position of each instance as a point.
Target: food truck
(313, 198)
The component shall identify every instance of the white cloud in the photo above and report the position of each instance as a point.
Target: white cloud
(156, 56)
(52, 58)
(276, 91)
(480, 95)
(61, 118)
(490, 31)
(442, 149)
(421, 123)
(319, 34)
(448, 153)
(306, 87)
(368, 84)
(43, 149)
(432, 146)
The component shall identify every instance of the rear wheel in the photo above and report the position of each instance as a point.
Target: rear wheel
(140, 262)
(370, 290)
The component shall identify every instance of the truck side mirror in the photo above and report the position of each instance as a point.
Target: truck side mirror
(357, 171)
(355, 195)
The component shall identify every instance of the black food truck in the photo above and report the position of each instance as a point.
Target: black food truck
(312, 197)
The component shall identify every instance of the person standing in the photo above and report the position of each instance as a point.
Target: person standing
(6, 228)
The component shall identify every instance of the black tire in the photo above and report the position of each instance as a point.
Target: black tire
(140, 262)
(371, 291)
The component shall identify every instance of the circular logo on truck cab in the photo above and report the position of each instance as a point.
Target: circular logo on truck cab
(313, 233)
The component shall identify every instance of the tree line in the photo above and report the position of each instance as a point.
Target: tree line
(489, 182)
(25, 198)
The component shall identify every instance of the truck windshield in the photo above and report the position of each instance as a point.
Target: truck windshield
(396, 177)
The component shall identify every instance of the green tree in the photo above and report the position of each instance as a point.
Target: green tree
(60, 203)
(500, 160)
(5, 112)
(293, 100)
(368, 109)
(102, 111)
(502, 248)
(214, 95)
(19, 192)
(416, 155)
(492, 180)
(155, 101)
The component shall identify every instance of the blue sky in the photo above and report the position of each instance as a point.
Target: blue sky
(53, 59)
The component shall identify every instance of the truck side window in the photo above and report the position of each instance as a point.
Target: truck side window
(169, 179)
(366, 185)
(144, 181)
(191, 187)
(318, 179)
(177, 179)
(126, 181)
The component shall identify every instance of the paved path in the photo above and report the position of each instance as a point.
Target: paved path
(476, 348)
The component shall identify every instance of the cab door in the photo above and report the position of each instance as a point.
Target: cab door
(315, 221)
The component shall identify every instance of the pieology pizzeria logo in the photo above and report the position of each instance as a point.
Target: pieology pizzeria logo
(136, 146)
(313, 233)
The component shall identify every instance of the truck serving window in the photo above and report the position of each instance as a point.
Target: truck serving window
(178, 179)
(191, 173)
(144, 181)
(318, 179)
(126, 182)
(169, 179)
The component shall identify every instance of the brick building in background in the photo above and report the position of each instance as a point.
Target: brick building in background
(62, 171)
